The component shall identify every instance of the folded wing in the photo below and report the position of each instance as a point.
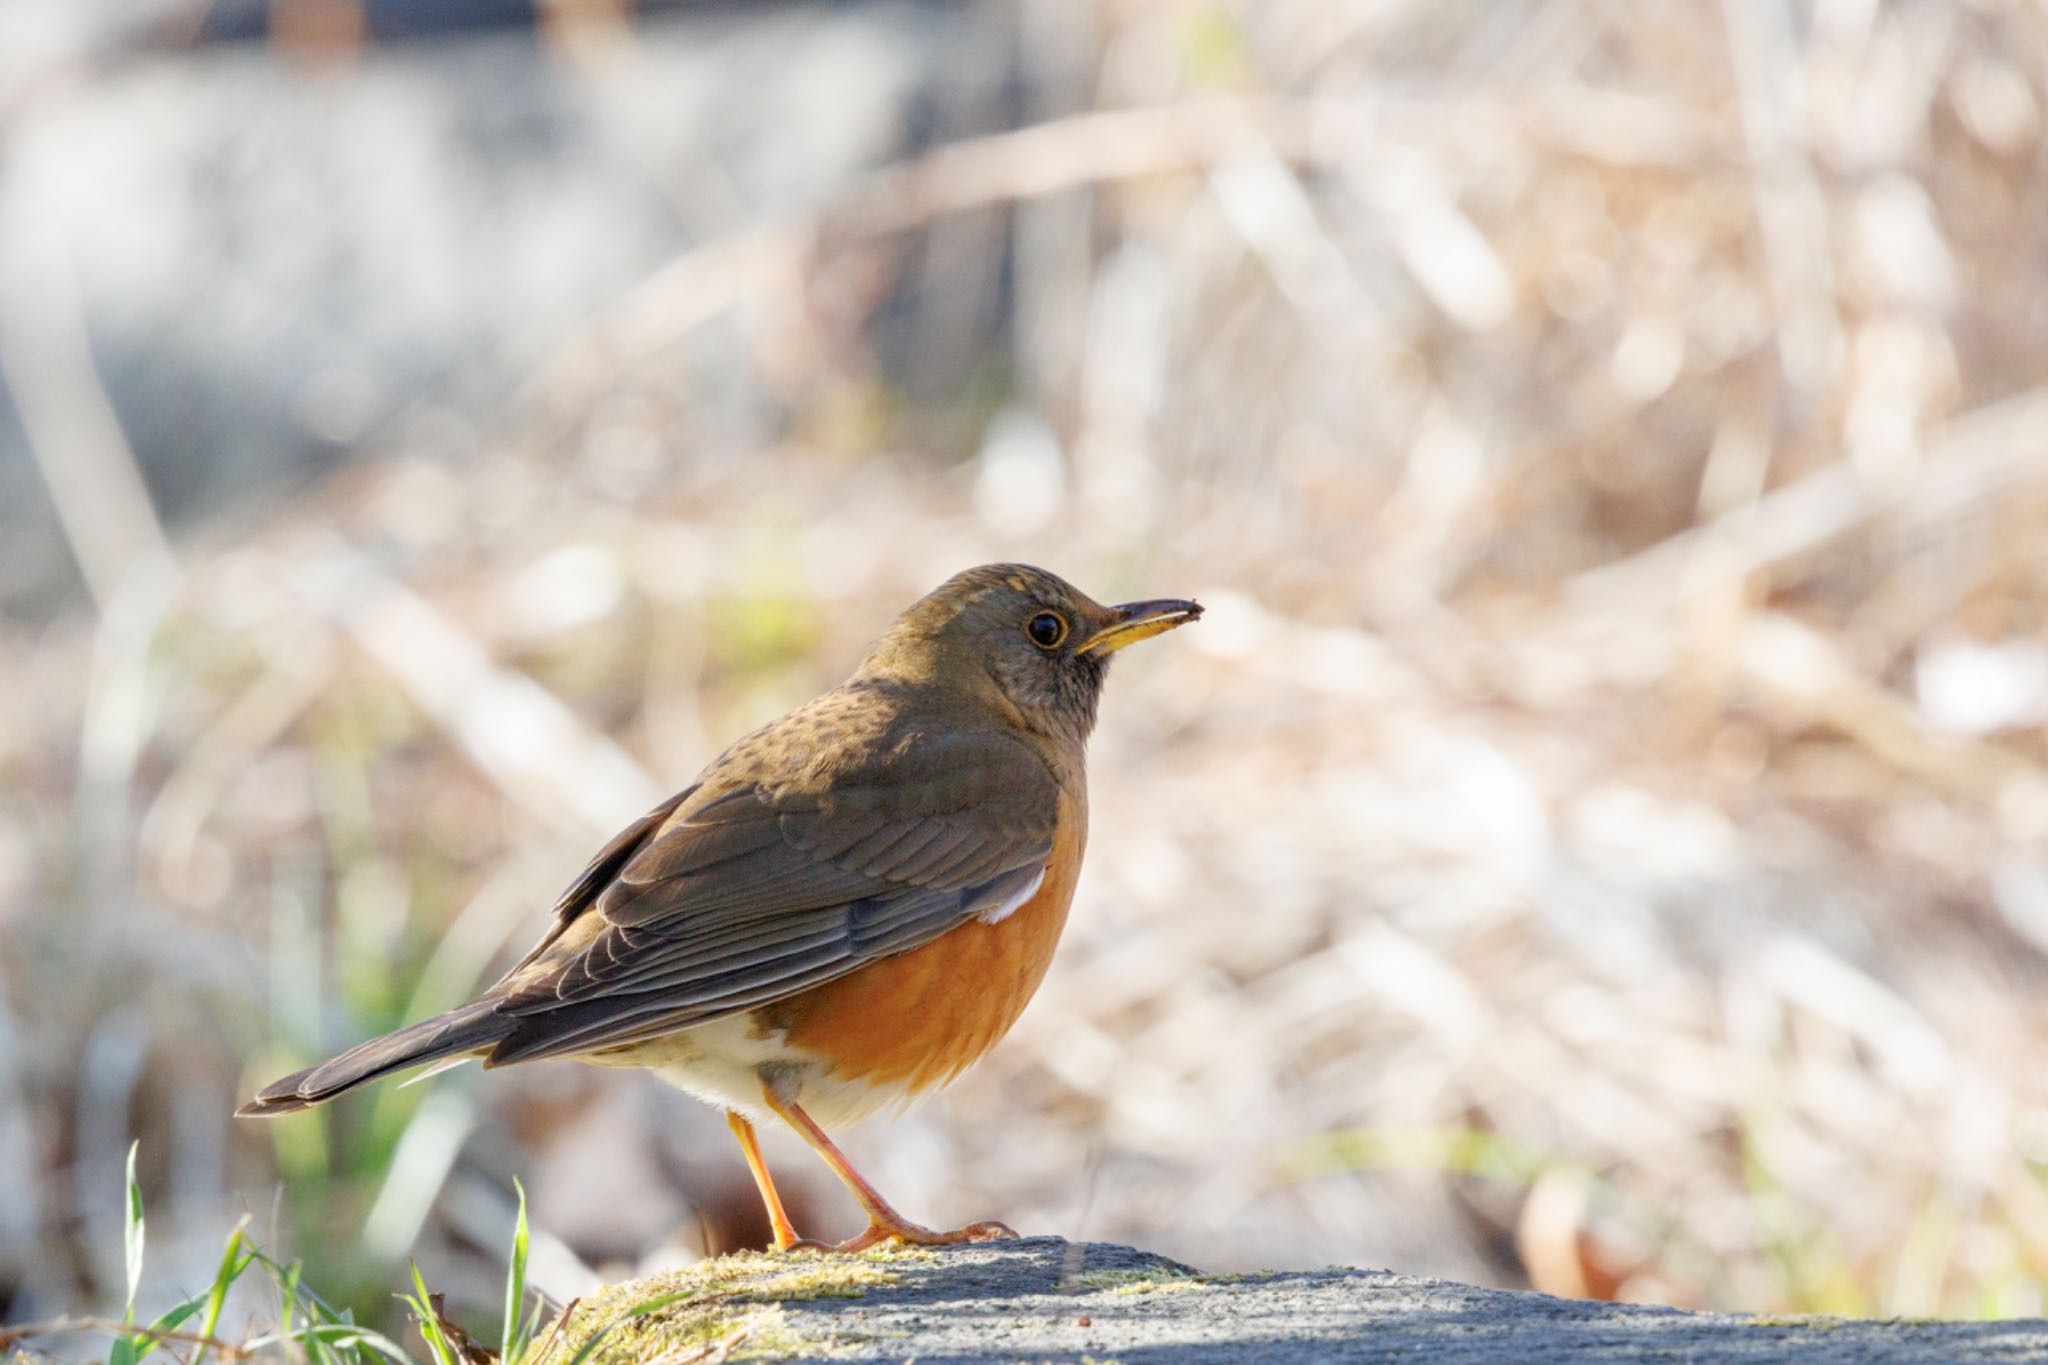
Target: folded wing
(741, 892)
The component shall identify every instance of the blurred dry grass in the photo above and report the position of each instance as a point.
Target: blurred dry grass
(1595, 838)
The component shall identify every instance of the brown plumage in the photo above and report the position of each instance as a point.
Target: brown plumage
(848, 906)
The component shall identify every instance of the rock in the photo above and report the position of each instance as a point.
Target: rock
(1045, 1299)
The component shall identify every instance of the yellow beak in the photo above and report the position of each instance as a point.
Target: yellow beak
(1137, 621)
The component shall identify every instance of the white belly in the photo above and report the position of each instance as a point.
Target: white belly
(721, 1063)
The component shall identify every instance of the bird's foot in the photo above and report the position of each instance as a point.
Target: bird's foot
(902, 1232)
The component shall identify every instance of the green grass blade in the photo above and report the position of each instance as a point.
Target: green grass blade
(288, 1291)
(233, 1261)
(316, 1328)
(535, 1320)
(331, 1335)
(429, 1321)
(514, 1337)
(177, 1317)
(287, 1279)
(133, 1233)
(129, 1349)
(136, 1346)
(638, 1310)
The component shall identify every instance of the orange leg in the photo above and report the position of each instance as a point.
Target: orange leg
(785, 1234)
(884, 1223)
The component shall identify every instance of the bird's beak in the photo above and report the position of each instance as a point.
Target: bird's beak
(1139, 621)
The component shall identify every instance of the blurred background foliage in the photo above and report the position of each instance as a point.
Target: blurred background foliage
(1595, 840)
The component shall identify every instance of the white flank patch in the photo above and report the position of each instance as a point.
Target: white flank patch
(1009, 907)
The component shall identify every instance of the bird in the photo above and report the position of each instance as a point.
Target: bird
(847, 907)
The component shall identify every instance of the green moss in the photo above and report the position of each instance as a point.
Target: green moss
(835, 1278)
(1812, 1322)
(888, 1252)
(736, 1298)
(1132, 1281)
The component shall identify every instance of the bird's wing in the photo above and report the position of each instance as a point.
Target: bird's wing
(581, 895)
(732, 898)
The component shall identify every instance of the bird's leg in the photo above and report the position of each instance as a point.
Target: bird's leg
(785, 1234)
(884, 1223)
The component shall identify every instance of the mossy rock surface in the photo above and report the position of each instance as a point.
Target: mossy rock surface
(735, 1307)
(1045, 1300)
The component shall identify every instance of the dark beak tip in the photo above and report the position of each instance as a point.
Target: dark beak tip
(1136, 611)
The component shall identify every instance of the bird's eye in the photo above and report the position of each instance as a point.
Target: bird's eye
(1046, 629)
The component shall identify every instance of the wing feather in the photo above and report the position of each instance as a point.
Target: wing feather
(741, 890)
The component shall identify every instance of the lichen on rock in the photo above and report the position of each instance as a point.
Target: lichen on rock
(737, 1304)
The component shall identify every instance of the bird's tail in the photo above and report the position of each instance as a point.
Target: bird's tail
(471, 1028)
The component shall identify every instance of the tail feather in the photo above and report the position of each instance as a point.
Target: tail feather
(471, 1028)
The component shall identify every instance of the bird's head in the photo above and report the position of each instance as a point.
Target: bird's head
(1023, 640)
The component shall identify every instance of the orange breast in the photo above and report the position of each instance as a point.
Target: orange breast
(915, 1020)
